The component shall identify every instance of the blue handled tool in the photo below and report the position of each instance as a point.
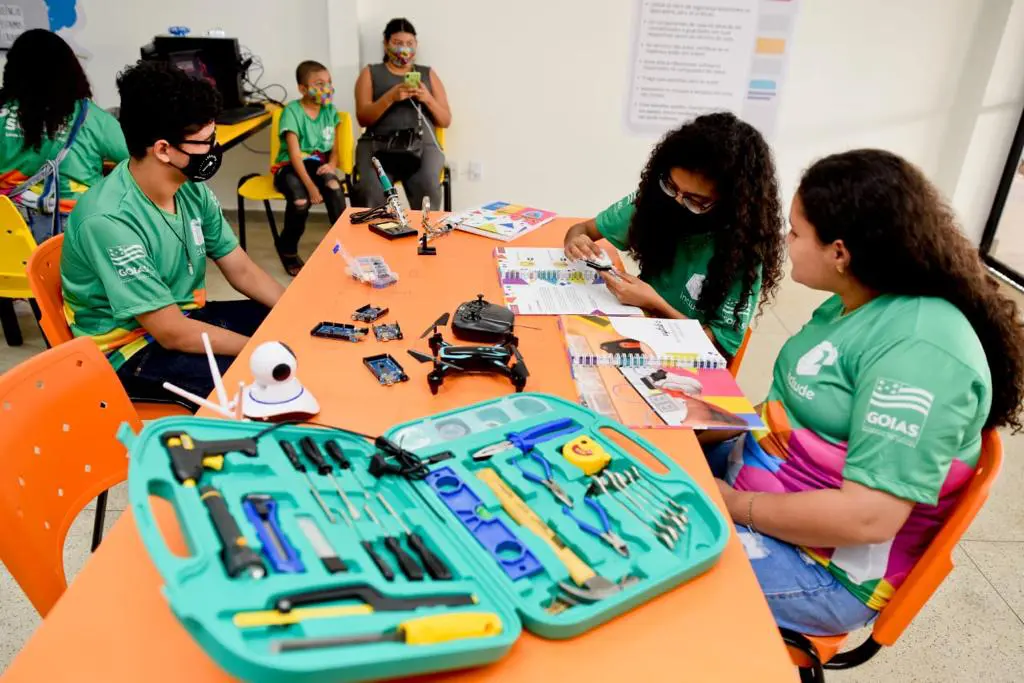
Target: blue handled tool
(528, 438)
(605, 532)
(261, 509)
(547, 481)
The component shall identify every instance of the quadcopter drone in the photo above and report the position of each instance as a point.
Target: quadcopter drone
(502, 358)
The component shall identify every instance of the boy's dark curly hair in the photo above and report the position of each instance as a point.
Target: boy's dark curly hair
(903, 239)
(162, 102)
(45, 80)
(747, 217)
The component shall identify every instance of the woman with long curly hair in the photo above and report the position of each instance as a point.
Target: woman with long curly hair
(44, 91)
(877, 406)
(705, 225)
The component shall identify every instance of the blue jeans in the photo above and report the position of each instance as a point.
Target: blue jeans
(144, 373)
(802, 594)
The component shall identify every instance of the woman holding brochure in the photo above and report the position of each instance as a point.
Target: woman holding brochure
(705, 225)
(876, 411)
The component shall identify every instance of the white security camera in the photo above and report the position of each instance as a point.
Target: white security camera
(272, 363)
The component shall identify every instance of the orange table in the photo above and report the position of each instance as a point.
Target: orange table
(113, 625)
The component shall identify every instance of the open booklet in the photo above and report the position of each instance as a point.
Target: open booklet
(646, 395)
(501, 220)
(542, 281)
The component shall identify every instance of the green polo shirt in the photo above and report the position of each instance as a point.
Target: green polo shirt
(316, 136)
(100, 139)
(681, 284)
(18, 162)
(123, 256)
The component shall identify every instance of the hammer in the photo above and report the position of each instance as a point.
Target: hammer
(590, 587)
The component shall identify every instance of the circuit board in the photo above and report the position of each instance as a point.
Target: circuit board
(386, 369)
(387, 332)
(369, 313)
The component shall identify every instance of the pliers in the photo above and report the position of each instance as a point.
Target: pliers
(528, 438)
(547, 481)
(605, 533)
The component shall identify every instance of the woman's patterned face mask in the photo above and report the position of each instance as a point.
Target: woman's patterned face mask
(400, 56)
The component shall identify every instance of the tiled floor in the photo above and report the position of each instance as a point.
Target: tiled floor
(973, 629)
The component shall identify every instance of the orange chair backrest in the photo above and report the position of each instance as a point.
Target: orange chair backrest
(734, 365)
(59, 412)
(937, 561)
(44, 279)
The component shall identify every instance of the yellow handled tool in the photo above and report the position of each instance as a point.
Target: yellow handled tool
(437, 628)
(518, 510)
(586, 454)
(272, 617)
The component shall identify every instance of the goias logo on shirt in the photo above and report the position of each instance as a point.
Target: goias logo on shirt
(897, 411)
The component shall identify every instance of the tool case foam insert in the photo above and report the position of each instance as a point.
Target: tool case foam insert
(206, 600)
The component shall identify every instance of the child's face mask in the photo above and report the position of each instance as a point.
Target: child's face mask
(401, 56)
(321, 94)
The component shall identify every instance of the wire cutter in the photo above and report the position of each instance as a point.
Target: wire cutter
(547, 481)
(528, 438)
(605, 533)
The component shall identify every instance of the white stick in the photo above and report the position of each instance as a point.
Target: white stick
(197, 400)
(218, 381)
(238, 406)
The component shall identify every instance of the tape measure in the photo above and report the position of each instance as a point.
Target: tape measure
(586, 454)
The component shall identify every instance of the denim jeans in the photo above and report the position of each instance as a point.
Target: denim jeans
(802, 594)
(145, 372)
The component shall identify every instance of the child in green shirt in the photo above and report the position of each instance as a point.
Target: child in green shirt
(705, 226)
(37, 119)
(306, 168)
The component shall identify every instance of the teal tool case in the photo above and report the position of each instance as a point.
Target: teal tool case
(517, 579)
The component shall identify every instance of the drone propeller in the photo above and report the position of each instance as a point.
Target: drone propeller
(420, 356)
(521, 362)
(440, 322)
(424, 358)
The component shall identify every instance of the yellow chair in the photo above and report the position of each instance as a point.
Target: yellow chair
(16, 246)
(260, 188)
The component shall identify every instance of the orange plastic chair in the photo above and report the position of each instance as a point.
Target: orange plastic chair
(44, 279)
(813, 654)
(59, 412)
(734, 365)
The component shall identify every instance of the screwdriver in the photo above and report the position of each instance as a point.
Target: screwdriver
(323, 468)
(437, 628)
(382, 565)
(434, 565)
(338, 456)
(406, 563)
(293, 458)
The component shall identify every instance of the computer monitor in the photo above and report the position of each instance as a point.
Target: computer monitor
(217, 60)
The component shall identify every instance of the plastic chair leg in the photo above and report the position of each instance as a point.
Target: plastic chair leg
(9, 322)
(241, 222)
(271, 221)
(97, 522)
(446, 183)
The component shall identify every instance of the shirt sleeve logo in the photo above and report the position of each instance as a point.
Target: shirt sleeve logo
(125, 254)
(196, 225)
(822, 355)
(898, 411)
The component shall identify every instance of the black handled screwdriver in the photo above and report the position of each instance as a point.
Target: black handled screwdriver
(324, 468)
(406, 563)
(235, 554)
(338, 456)
(434, 565)
(293, 458)
(382, 565)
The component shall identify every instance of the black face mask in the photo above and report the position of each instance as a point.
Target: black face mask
(201, 167)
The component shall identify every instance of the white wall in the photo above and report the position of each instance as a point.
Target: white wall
(537, 88)
(281, 33)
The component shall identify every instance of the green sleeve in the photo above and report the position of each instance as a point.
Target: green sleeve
(613, 222)
(123, 267)
(217, 233)
(333, 113)
(723, 325)
(915, 405)
(112, 144)
(287, 122)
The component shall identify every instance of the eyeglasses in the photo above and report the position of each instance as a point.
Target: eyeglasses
(694, 203)
(210, 142)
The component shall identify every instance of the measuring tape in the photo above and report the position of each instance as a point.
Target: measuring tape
(586, 454)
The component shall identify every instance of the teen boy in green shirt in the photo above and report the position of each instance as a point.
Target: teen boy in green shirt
(133, 267)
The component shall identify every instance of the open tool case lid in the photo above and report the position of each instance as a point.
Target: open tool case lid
(206, 600)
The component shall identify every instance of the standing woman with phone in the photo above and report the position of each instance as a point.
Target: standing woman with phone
(399, 103)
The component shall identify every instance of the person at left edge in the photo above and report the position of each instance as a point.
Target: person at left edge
(133, 267)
